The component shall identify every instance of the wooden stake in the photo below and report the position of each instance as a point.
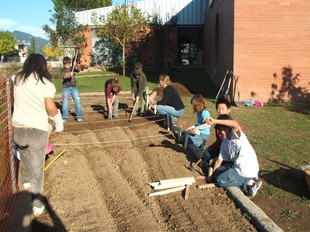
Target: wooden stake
(203, 186)
(186, 196)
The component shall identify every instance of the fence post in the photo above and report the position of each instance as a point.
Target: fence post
(13, 161)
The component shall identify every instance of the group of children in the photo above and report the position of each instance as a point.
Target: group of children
(232, 157)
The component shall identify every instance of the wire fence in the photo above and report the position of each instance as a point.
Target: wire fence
(8, 162)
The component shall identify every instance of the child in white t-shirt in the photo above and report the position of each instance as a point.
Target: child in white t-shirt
(242, 167)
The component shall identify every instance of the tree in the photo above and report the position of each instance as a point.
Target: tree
(7, 43)
(68, 32)
(124, 27)
(52, 51)
(78, 5)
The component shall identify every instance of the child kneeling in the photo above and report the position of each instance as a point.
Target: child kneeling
(237, 163)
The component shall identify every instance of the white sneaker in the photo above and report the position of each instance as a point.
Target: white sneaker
(79, 120)
(255, 187)
(27, 186)
(38, 211)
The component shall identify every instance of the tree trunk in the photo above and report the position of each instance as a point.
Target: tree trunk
(123, 58)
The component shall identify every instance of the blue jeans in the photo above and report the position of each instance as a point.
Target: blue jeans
(227, 176)
(115, 105)
(171, 111)
(66, 93)
(197, 140)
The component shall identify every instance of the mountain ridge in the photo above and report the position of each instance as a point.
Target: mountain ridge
(26, 38)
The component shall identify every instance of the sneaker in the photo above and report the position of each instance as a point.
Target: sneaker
(37, 207)
(115, 116)
(27, 186)
(38, 211)
(79, 120)
(175, 121)
(64, 120)
(142, 114)
(252, 190)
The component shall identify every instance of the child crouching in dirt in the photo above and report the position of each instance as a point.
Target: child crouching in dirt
(196, 135)
(242, 167)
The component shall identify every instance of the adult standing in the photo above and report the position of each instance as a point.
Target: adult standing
(138, 83)
(171, 102)
(112, 89)
(33, 105)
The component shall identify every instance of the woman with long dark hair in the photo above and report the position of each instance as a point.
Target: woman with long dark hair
(33, 105)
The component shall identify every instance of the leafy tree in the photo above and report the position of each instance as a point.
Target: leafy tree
(78, 5)
(124, 27)
(68, 32)
(32, 48)
(52, 51)
(7, 43)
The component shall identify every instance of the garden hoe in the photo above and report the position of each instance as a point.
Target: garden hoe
(133, 110)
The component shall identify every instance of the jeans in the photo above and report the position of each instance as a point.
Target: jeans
(66, 93)
(115, 106)
(142, 104)
(197, 140)
(227, 176)
(171, 111)
(31, 144)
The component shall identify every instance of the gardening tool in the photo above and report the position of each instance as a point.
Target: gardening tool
(134, 108)
(227, 94)
(195, 167)
(221, 87)
(236, 90)
(60, 154)
(74, 60)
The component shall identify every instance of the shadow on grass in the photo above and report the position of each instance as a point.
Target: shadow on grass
(286, 178)
(296, 107)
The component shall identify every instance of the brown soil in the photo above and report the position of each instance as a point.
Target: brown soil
(100, 183)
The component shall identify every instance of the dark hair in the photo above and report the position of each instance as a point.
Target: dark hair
(35, 63)
(138, 69)
(66, 60)
(198, 102)
(223, 117)
(223, 101)
(138, 65)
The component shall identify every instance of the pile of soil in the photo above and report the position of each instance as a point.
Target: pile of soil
(181, 89)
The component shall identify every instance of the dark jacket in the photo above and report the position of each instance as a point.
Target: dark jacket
(171, 98)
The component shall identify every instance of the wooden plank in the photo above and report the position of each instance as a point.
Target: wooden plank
(166, 191)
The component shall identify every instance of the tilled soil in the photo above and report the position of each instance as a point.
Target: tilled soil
(101, 182)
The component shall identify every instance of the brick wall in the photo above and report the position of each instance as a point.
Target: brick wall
(271, 47)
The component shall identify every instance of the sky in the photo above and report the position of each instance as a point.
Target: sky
(29, 16)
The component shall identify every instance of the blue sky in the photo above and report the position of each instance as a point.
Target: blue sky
(29, 16)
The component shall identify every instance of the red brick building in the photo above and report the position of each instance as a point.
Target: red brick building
(265, 43)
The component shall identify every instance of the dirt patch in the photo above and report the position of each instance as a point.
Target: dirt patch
(101, 181)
